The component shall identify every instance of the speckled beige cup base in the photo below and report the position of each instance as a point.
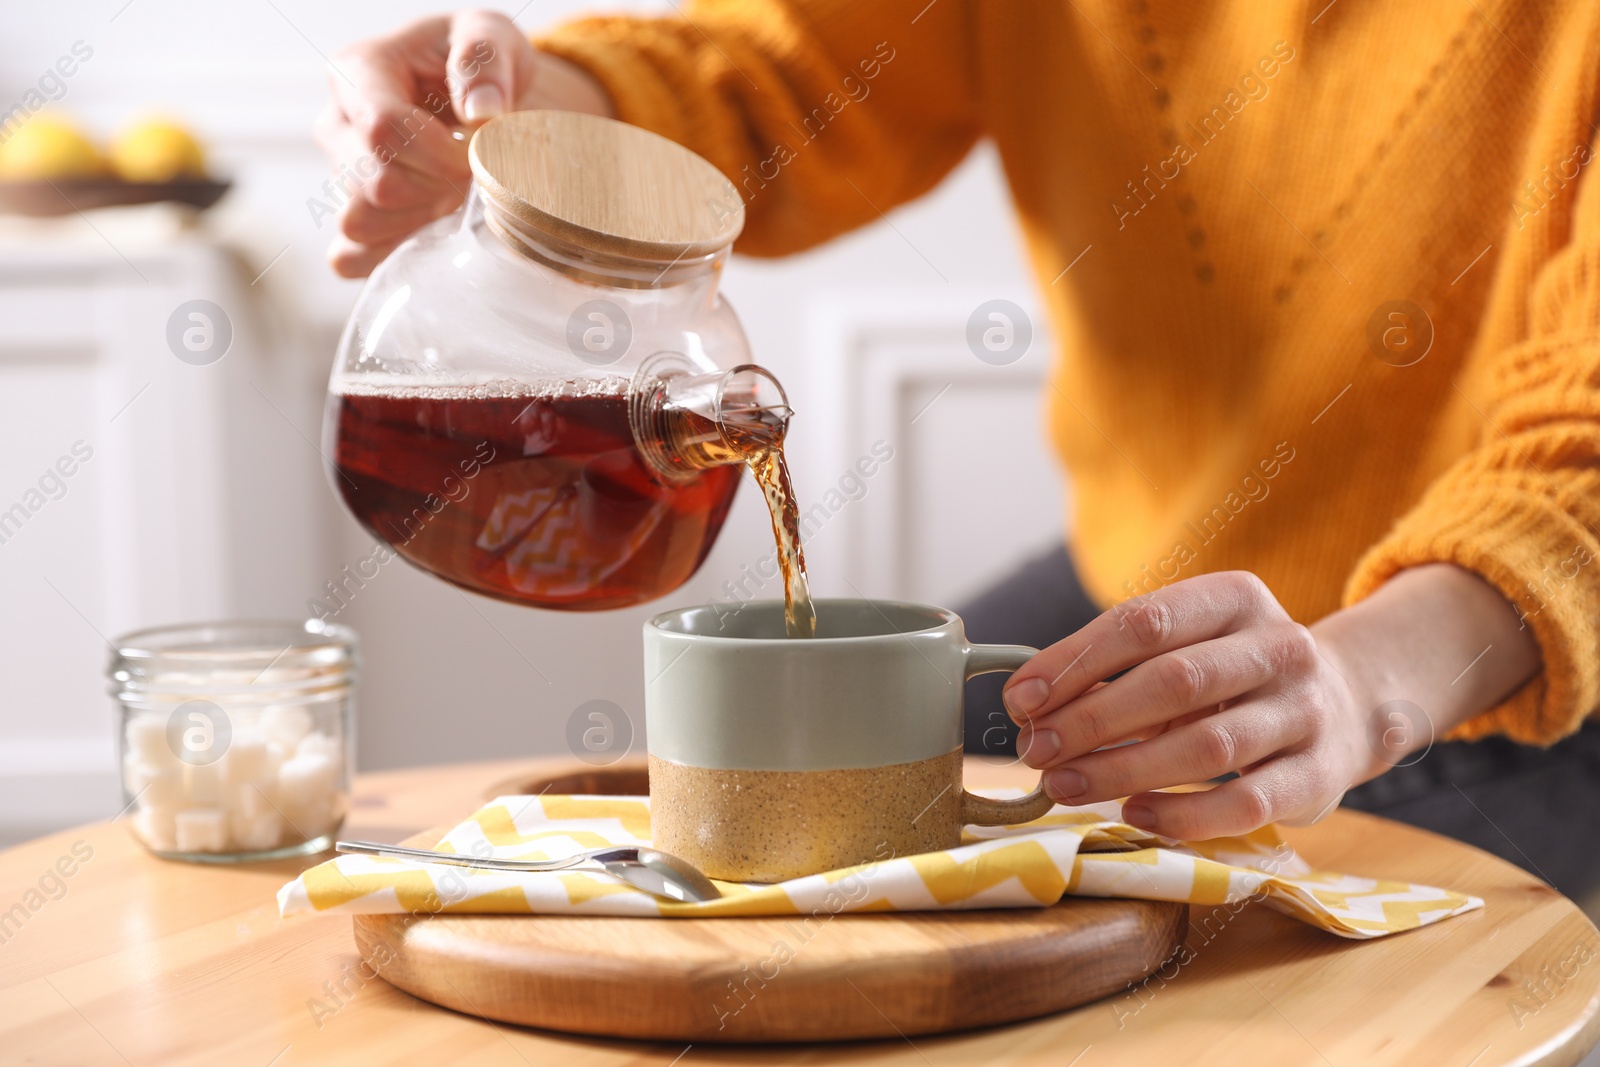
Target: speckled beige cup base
(767, 826)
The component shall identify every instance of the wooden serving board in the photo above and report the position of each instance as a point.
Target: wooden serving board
(769, 979)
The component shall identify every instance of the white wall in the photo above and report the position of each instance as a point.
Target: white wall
(451, 678)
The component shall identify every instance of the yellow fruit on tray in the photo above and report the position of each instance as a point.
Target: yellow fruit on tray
(157, 151)
(45, 147)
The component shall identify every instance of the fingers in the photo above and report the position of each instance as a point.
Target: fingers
(379, 130)
(392, 125)
(489, 65)
(383, 71)
(1309, 817)
(395, 184)
(1217, 744)
(390, 106)
(390, 131)
(383, 206)
(559, 85)
(365, 224)
(1277, 791)
(1166, 688)
(350, 259)
(368, 233)
(1185, 613)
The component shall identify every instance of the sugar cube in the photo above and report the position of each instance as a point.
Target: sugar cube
(250, 758)
(157, 828)
(251, 799)
(278, 781)
(302, 780)
(203, 784)
(285, 724)
(146, 735)
(256, 832)
(244, 717)
(321, 744)
(155, 787)
(201, 830)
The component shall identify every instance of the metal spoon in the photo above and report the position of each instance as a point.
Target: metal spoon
(660, 874)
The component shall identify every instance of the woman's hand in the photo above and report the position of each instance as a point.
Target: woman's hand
(394, 126)
(1220, 679)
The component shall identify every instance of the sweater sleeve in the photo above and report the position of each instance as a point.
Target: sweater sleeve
(824, 113)
(1522, 509)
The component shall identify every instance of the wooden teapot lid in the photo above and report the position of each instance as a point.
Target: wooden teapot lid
(604, 186)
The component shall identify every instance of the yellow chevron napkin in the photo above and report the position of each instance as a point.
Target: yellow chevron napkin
(1083, 851)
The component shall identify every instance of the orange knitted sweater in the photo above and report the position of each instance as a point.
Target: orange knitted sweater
(1338, 306)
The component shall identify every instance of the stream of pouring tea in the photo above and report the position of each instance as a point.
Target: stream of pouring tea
(754, 434)
(771, 473)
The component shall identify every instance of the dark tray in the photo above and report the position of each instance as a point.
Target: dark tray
(63, 196)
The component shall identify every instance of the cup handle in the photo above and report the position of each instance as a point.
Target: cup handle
(987, 811)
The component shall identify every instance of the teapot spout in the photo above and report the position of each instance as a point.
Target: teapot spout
(685, 422)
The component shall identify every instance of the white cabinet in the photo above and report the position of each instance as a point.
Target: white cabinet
(972, 487)
(136, 489)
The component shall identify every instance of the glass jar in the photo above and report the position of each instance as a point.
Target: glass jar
(235, 738)
(543, 397)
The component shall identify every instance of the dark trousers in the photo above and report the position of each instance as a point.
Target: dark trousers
(1538, 808)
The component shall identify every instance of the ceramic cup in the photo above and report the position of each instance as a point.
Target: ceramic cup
(773, 758)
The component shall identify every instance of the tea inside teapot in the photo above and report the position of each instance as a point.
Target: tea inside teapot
(538, 496)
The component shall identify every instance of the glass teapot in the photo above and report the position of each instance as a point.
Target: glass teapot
(542, 397)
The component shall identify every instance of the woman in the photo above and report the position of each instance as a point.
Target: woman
(1328, 289)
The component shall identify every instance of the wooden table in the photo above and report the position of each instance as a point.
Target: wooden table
(135, 960)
